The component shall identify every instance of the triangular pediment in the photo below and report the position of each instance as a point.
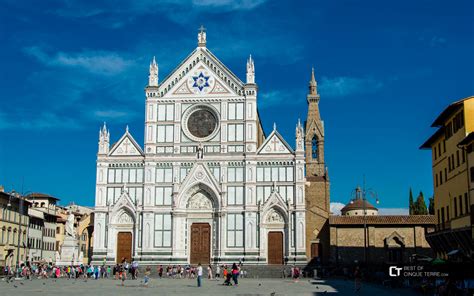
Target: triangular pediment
(275, 144)
(199, 175)
(275, 201)
(126, 146)
(123, 207)
(201, 74)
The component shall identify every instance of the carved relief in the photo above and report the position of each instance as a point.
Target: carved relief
(124, 218)
(274, 216)
(199, 201)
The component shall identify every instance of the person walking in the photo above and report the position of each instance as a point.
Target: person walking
(235, 274)
(146, 278)
(209, 272)
(199, 275)
(218, 272)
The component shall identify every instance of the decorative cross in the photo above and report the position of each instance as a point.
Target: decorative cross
(202, 29)
(126, 143)
(274, 141)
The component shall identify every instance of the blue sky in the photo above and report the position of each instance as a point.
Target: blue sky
(385, 69)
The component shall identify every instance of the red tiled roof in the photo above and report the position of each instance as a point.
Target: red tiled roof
(383, 219)
(40, 195)
(358, 204)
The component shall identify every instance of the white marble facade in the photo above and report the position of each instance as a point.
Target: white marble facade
(205, 160)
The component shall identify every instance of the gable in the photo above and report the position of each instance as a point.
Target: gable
(126, 146)
(201, 73)
(201, 81)
(275, 144)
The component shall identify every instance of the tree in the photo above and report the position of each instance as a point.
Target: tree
(420, 205)
(411, 205)
(431, 206)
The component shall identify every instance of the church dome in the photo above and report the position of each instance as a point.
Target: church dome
(356, 208)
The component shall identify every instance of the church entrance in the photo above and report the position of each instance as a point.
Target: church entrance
(200, 243)
(275, 247)
(124, 246)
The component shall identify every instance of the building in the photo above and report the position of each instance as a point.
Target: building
(451, 179)
(209, 185)
(43, 206)
(14, 221)
(390, 239)
(467, 145)
(317, 177)
(35, 235)
(359, 205)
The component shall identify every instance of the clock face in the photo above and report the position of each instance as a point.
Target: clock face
(202, 123)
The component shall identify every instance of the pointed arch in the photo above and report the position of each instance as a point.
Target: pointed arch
(314, 147)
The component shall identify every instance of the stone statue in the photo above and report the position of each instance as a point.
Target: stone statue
(70, 225)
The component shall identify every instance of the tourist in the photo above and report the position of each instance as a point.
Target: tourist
(146, 278)
(235, 274)
(209, 272)
(218, 272)
(227, 276)
(296, 273)
(199, 274)
(160, 271)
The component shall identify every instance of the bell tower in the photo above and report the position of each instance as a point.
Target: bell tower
(317, 180)
(314, 137)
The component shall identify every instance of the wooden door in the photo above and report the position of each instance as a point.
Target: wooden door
(124, 246)
(275, 247)
(200, 243)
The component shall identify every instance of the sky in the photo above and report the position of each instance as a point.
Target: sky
(385, 70)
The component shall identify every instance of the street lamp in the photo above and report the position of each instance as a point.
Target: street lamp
(363, 194)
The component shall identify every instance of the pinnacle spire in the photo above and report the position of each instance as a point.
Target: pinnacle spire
(153, 77)
(250, 70)
(313, 84)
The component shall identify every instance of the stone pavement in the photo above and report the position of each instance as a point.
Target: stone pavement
(249, 287)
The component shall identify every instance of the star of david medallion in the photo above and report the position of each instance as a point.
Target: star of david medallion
(201, 81)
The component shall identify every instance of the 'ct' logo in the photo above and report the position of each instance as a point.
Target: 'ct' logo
(394, 271)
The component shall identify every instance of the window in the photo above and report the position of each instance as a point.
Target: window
(314, 147)
(445, 175)
(472, 174)
(235, 132)
(126, 175)
(164, 133)
(164, 175)
(236, 111)
(165, 112)
(183, 172)
(436, 177)
(163, 230)
(235, 174)
(163, 195)
(216, 171)
(235, 230)
(235, 195)
(460, 205)
(263, 192)
(457, 158)
(466, 202)
(455, 208)
(440, 177)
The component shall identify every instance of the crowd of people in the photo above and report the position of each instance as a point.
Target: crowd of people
(126, 270)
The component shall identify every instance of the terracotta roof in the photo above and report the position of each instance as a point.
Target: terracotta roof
(358, 204)
(383, 219)
(427, 144)
(40, 195)
(448, 111)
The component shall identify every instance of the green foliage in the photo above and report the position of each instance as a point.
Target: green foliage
(420, 205)
(431, 206)
(410, 203)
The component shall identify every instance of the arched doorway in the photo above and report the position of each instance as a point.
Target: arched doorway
(275, 247)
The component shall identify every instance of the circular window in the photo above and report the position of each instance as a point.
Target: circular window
(201, 123)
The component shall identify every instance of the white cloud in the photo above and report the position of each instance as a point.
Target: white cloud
(97, 62)
(276, 97)
(344, 86)
(112, 114)
(393, 211)
(335, 207)
(229, 4)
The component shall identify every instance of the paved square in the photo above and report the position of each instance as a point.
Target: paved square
(167, 286)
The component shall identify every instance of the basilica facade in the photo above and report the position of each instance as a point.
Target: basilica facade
(208, 185)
